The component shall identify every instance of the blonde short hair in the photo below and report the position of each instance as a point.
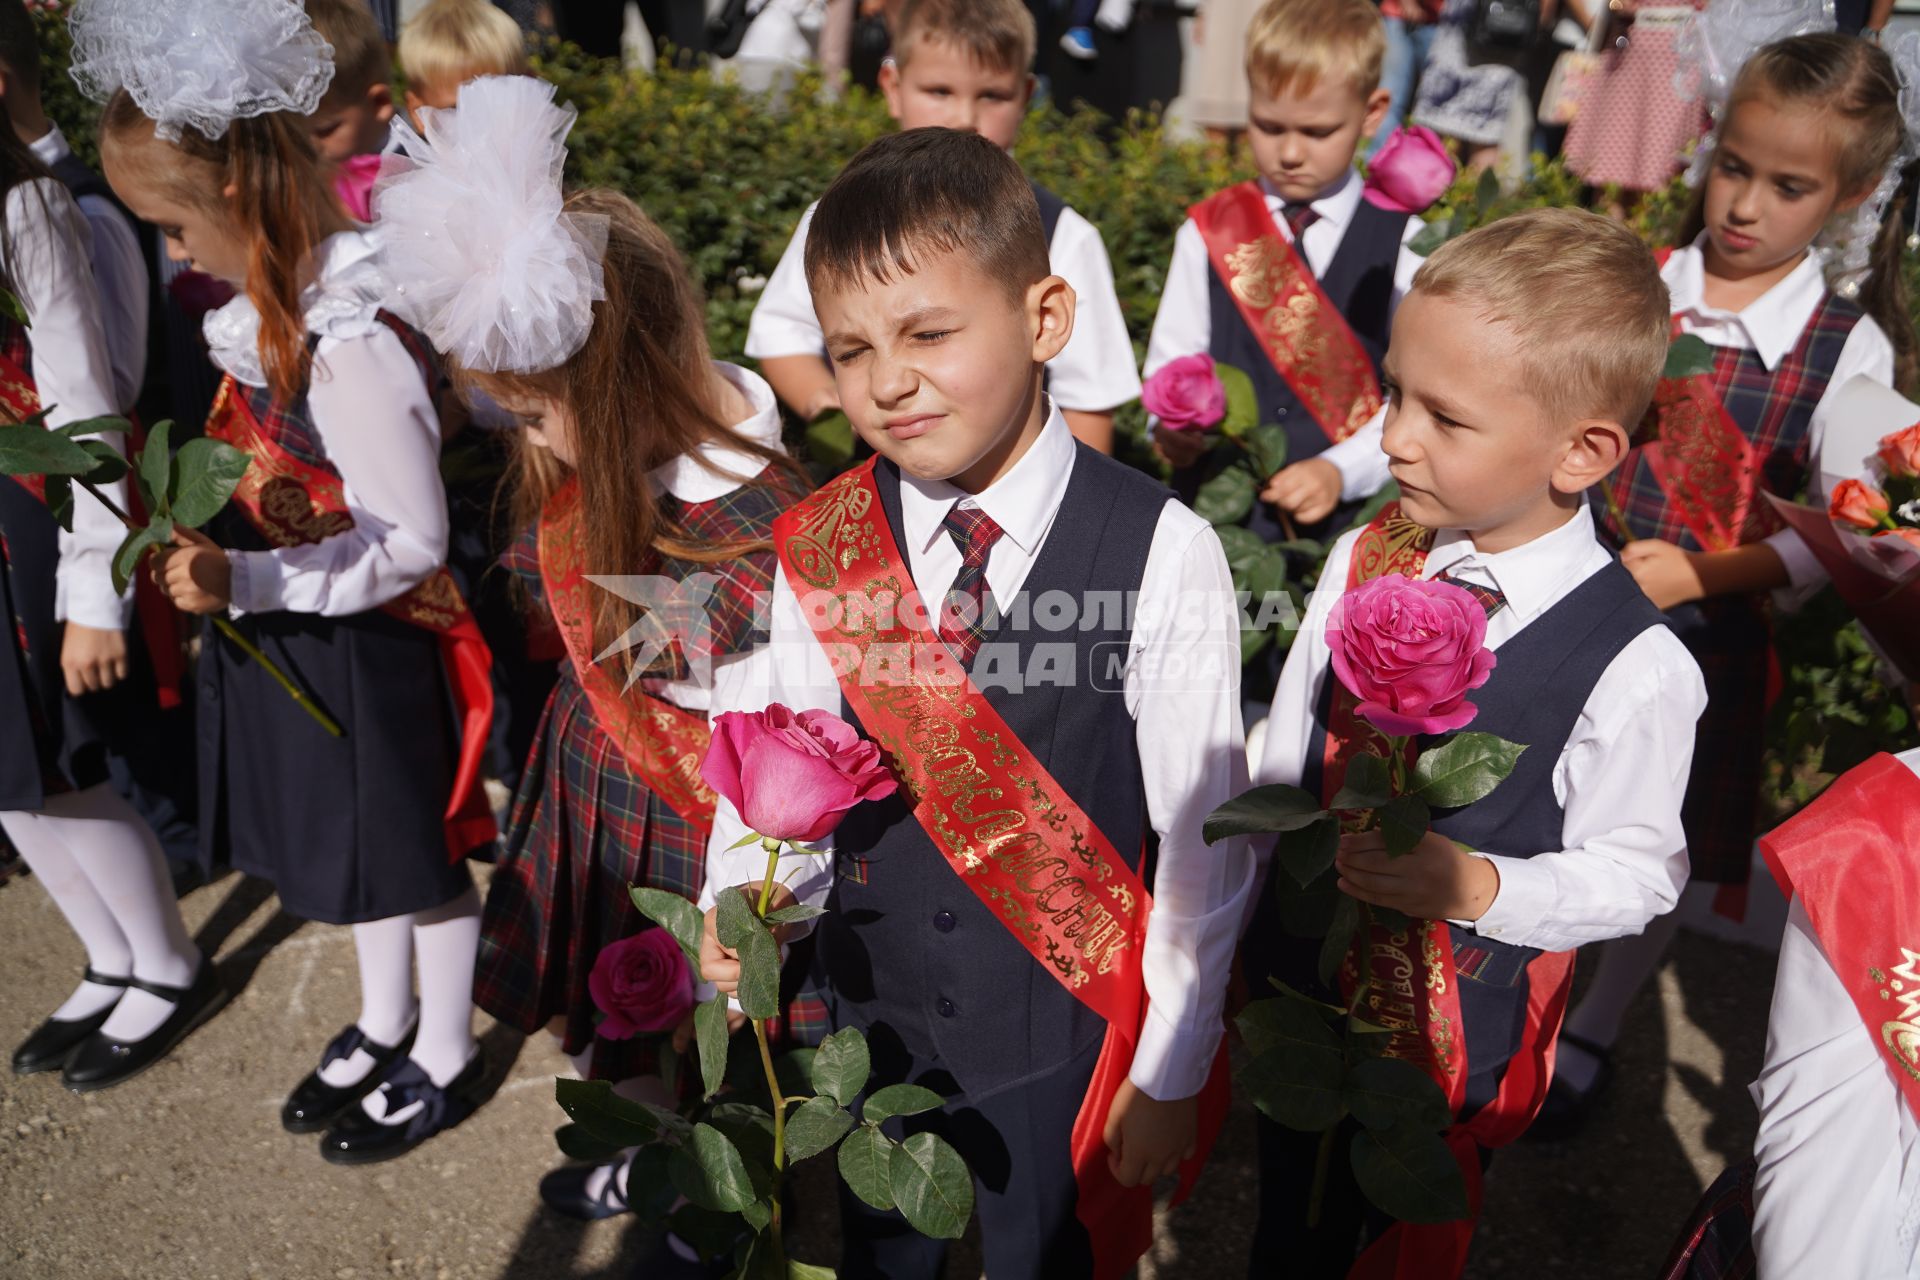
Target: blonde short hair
(360, 56)
(451, 41)
(997, 34)
(1584, 297)
(1301, 42)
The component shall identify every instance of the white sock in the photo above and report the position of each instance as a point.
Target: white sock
(446, 943)
(1114, 15)
(117, 852)
(385, 951)
(85, 911)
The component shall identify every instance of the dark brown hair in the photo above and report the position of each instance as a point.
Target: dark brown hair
(20, 44)
(281, 205)
(997, 34)
(639, 394)
(1855, 84)
(927, 191)
(361, 58)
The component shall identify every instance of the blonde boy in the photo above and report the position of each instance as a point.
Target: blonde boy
(1517, 357)
(451, 42)
(352, 117)
(964, 64)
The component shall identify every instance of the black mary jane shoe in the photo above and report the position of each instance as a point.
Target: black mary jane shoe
(314, 1104)
(565, 1191)
(102, 1062)
(357, 1138)
(54, 1040)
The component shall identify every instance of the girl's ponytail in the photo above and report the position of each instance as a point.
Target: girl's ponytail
(1884, 293)
(278, 202)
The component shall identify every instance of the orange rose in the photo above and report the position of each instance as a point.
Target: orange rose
(1858, 504)
(1910, 536)
(1901, 452)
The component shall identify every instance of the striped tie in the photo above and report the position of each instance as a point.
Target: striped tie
(1492, 599)
(1299, 217)
(963, 614)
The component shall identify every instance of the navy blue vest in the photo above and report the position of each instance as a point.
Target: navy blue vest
(1051, 207)
(74, 174)
(912, 955)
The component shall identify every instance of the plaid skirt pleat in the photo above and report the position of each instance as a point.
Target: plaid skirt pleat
(1717, 1242)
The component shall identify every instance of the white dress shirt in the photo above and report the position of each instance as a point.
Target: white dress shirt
(1184, 324)
(376, 420)
(71, 370)
(1189, 738)
(119, 271)
(1093, 373)
(1838, 1188)
(1620, 775)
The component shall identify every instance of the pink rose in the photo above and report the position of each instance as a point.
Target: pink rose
(642, 983)
(1410, 172)
(1185, 394)
(1410, 651)
(793, 777)
(353, 183)
(1857, 504)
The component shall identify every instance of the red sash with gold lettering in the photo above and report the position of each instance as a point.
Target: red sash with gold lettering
(292, 503)
(1414, 991)
(1850, 859)
(158, 620)
(661, 743)
(1004, 825)
(1298, 326)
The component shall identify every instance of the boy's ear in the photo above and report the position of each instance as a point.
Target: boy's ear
(414, 103)
(1050, 308)
(380, 97)
(1377, 103)
(889, 82)
(1597, 447)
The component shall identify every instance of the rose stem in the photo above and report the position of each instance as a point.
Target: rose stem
(1323, 1157)
(232, 632)
(1618, 512)
(766, 1064)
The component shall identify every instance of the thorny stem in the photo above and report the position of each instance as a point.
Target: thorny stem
(766, 1064)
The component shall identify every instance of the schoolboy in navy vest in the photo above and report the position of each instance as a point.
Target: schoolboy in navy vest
(930, 273)
(1516, 357)
(1314, 96)
(965, 64)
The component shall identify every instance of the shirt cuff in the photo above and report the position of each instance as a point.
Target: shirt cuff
(1523, 902)
(1805, 574)
(1170, 1064)
(1362, 465)
(255, 582)
(93, 604)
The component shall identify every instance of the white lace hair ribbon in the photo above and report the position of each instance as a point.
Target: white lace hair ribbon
(200, 64)
(1846, 245)
(485, 259)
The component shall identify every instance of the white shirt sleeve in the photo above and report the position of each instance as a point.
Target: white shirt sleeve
(1094, 372)
(1835, 1136)
(1182, 687)
(1866, 351)
(376, 418)
(121, 274)
(783, 322)
(1620, 780)
(1361, 460)
(51, 271)
(1183, 326)
(1407, 264)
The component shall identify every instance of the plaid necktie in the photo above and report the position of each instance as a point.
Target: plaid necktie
(1492, 599)
(963, 614)
(1299, 217)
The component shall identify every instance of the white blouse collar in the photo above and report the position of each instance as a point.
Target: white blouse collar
(343, 301)
(717, 468)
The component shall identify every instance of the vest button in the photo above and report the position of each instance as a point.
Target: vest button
(946, 1007)
(944, 922)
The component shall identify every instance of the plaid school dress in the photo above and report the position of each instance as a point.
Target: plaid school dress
(1731, 636)
(584, 827)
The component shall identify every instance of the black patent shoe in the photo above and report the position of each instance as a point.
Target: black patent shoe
(565, 1191)
(54, 1040)
(314, 1104)
(102, 1062)
(357, 1138)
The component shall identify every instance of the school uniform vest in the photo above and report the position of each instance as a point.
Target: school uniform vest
(78, 179)
(1051, 206)
(1358, 280)
(907, 951)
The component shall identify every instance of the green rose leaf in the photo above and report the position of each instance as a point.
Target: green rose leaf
(1383, 1092)
(1409, 1174)
(1307, 911)
(650, 1188)
(205, 474)
(59, 491)
(1243, 407)
(1265, 576)
(1339, 939)
(127, 559)
(734, 921)
(1367, 785)
(111, 425)
(900, 1100)
(676, 915)
(1432, 236)
(840, 1067)
(154, 472)
(830, 439)
(576, 1142)
(798, 913)
(712, 1234)
(866, 1158)
(1242, 546)
(1306, 853)
(758, 1215)
(710, 1035)
(759, 993)
(1403, 821)
(807, 1271)
(1226, 498)
(1687, 355)
(1275, 807)
(931, 1186)
(601, 1113)
(108, 465)
(709, 1171)
(1486, 192)
(1266, 447)
(1295, 1078)
(1463, 769)
(30, 450)
(816, 1125)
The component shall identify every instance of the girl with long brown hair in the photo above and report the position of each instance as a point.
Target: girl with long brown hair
(647, 479)
(331, 554)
